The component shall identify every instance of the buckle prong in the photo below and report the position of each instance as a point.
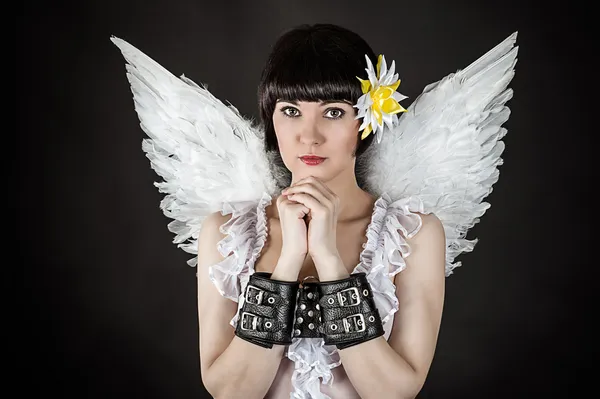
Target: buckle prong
(258, 297)
(354, 299)
(254, 321)
(359, 325)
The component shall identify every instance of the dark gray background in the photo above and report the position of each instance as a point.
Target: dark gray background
(110, 304)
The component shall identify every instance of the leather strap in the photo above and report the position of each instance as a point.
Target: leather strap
(308, 312)
(348, 311)
(267, 315)
(342, 312)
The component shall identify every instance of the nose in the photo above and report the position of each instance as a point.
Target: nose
(309, 134)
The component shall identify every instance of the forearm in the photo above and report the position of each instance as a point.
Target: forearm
(377, 371)
(243, 370)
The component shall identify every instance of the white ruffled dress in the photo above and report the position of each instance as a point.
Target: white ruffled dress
(382, 257)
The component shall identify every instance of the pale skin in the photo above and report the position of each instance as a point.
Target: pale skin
(321, 202)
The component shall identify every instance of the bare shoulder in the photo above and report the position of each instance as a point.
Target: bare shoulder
(213, 222)
(210, 233)
(431, 229)
(427, 247)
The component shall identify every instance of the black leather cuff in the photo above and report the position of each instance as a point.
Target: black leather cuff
(348, 312)
(267, 315)
(308, 312)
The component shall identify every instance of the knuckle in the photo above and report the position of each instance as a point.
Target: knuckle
(336, 201)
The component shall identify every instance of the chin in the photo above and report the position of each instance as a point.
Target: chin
(321, 172)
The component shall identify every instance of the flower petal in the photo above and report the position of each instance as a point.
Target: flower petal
(381, 67)
(391, 106)
(366, 132)
(399, 97)
(365, 85)
(371, 72)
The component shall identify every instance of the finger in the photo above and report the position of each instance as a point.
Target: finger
(299, 209)
(319, 183)
(316, 183)
(280, 199)
(309, 201)
(309, 188)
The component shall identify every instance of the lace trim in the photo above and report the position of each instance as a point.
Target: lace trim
(246, 233)
(386, 248)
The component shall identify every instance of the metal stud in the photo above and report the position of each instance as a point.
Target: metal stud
(297, 332)
(303, 306)
(311, 326)
(311, 313)
(318, 307)
(300, 320)
(310, 295)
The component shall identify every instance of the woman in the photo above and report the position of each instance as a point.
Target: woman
(318, 227)
(330, 266)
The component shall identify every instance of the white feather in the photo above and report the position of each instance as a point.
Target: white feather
(205, 152)
(447, 148)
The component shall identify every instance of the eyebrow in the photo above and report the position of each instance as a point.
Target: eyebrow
(324, 102)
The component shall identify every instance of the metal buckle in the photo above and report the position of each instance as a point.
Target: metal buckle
(258, 296)
(342, 299)
(254, 321)
(359, 325)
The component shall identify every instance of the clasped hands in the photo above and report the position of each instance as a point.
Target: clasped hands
(321, 221)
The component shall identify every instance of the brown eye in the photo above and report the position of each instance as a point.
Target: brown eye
(290, 112)
(334, 113)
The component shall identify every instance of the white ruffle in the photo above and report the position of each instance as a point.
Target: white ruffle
(246, 233)
(313, 361)
(386, 248)
(381, 258)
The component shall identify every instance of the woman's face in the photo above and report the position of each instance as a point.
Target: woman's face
(322, 129)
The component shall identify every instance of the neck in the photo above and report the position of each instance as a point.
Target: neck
(355, 203)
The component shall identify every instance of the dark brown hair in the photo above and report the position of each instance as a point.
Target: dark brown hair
(312, 63)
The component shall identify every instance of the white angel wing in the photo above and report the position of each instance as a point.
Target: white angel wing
(446, 148)
(206, 153)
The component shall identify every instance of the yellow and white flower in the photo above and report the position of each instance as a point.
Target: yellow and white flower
(379, 103)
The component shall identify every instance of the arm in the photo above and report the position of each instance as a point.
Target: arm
(230, 367)
(397, 368)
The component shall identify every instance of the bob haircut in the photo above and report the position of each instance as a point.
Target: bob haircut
(313, 63)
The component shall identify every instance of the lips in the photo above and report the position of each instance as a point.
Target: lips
(312, 160)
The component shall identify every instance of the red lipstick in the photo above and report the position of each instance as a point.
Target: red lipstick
(312, 160)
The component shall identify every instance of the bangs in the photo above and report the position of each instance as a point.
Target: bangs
(307, 76)
(314, 65)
